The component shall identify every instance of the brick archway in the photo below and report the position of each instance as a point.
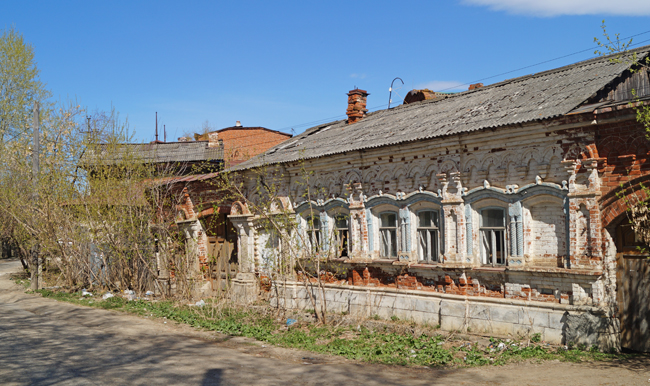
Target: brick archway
(615, 202)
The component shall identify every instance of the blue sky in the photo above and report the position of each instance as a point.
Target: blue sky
(289, 64)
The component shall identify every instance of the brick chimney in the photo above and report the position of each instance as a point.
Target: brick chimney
(475, 86)
(356, 105)
(213, 139)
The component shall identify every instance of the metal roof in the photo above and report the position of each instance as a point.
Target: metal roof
(161, 152)
(529, 98)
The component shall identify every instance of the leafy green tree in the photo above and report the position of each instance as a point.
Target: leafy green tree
(20, 85)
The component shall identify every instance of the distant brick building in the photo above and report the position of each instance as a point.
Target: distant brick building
(241, 143)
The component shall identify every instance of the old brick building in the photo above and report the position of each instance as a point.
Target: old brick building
(498, 209)
(211, 240)
(241, 143)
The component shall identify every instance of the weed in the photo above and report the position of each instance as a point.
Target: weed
(394, 318)
(536, 338)
(351, 342)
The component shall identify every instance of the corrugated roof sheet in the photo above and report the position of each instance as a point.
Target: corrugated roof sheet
(160, 152)
(533, 97)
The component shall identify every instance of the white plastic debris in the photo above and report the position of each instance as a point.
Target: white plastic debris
(148, 293)
(501, 346)
(86, 293)
(107, 295)
(129, 294)
(200, 303)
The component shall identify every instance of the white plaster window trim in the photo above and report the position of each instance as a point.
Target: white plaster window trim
(334, 231)
(504, 241)
(435, 259)
(305, 216)
(393, 245)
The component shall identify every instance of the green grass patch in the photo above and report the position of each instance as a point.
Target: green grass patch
(353, 342)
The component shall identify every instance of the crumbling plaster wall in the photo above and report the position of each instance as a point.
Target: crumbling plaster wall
(536, 173)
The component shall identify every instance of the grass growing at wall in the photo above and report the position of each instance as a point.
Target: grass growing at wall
(353, 342)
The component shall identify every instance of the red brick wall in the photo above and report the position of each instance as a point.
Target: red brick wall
(241, 144)
(624, 163)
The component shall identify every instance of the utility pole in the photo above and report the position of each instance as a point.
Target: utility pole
(36, 266)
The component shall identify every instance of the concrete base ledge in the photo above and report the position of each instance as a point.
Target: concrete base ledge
(516, 318)
(478, 299)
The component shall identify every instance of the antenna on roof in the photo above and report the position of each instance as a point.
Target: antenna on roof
(390, 90)
(165, 132)
(156, 126)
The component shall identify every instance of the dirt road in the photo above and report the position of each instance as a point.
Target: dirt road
(44, 342)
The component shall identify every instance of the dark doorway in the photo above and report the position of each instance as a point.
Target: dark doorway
(222, 249)
(633, 294)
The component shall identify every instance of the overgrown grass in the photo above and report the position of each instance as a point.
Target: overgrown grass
(353, 342)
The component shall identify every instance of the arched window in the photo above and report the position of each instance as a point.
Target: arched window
(314, 232)
(388, 232)
(342, 234)
(428, 236)
(493, 236)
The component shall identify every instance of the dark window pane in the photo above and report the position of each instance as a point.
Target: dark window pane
(425, 219)
(313, 222)
(428, 219)
(493, 218)
(388, 220)
(341, 222)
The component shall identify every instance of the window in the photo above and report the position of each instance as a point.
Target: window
(313, 232)
(388, 232)
(428, 235)
(342, 234)
(493, 236)
(274, 241)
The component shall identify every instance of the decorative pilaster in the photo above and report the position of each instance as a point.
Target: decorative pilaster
(453, 210)
(468, 227)
(516, 233)
(371, 246)
(585, 226)
(325, 230)
(358, 220)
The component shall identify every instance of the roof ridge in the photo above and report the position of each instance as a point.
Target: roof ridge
(461, 112)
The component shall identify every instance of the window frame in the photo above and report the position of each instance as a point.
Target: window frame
(314, 234)
(487, 260)
(393, 245)
(431, 258)
(336, 232)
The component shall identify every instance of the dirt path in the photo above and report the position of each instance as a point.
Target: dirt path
(44, 342)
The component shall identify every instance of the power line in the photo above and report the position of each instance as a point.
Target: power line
(544, 62)
(343, 116)
(338, 117)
